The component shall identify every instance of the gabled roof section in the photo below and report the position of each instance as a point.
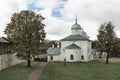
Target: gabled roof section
(73, 46)
(53, 51)
(2, 40)
(77, 37)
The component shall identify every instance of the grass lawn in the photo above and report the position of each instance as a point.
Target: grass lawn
(94, 70)
(18, 72)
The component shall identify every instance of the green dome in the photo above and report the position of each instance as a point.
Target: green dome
(76, 26)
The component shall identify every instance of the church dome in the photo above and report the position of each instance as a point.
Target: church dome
(76, 26)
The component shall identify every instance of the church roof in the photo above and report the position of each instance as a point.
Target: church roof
(53, 51)
(76, 37)
(73, 46)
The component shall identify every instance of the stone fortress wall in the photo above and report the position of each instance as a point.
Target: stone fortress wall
(8, 60)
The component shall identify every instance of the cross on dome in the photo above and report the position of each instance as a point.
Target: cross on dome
(76, 19)
(76, 26)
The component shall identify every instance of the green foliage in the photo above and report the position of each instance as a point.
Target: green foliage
(94, 44)
(26, 32)
(100, 46)
(106, 37)
(116, 48)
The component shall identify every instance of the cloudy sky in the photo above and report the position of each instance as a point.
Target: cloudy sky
(60, 15)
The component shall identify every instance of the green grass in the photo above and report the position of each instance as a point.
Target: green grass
(94, 70)
(17, 72)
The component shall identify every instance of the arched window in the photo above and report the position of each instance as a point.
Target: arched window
(82, 57)
(51, 58)
(71, 57)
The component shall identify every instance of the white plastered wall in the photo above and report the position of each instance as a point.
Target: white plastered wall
(8, 60)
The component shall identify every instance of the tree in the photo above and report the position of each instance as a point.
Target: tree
(106, 38)
(110, 36)
(26, 32)
(100, 44)
(116, 48)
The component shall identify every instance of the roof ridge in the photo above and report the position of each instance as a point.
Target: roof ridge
(74, 38)
(73, 46)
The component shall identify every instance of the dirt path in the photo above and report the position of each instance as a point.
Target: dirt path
(37, 72)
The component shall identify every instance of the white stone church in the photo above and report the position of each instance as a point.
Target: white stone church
(75, 47)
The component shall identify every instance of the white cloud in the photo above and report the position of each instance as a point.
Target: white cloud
(7, 8)
(91, 13)
(55, 28)
(48, 3)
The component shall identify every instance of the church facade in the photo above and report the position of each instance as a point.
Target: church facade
(75, 47)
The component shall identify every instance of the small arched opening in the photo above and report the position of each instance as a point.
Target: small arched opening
(71, 57)
(51, 58)
(82, 57)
